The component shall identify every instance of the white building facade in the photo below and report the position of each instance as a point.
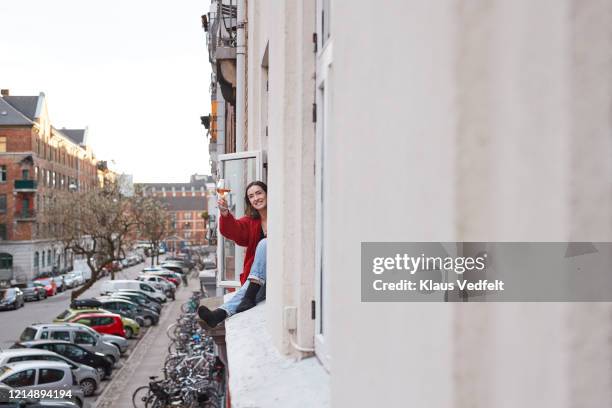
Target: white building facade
(431, 121)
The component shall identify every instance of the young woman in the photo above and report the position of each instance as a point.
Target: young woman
(249, 231)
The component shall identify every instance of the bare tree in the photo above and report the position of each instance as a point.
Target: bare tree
(154, 223)
(96, 224)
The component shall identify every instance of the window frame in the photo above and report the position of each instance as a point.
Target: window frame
(323, 67)
(257, 155)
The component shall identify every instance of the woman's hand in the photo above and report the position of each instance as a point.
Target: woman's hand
(222, 204)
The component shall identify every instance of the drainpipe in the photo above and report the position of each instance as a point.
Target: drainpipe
(240, 74)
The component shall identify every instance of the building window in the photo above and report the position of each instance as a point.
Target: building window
(36, 175)
(48, 257)
(187, 215)
(6, 261)
(42, 258)
(2, 203)
(3, 232)
(25, 174)
(2, 173)
(2, 144)
(36, 259)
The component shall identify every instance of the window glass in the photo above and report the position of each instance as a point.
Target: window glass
(6, 261)
(3, 234)
(60, 335)
(2, 173)
(105, 321)
(28, 334)
(2, 144)
(84, 338)
(49, 375)
(85, 321)
(2, 202)
(17, 359)
(44, 335)
(21, 379)
(146, 288)
(73, 352)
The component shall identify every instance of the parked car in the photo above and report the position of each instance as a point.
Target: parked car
(159, 283)
(49, 285)
(42, 375)
(32, 290)
(115, 285)
(79, 277)
(35, 332)
(167, 274)
(73, 352)
(74, 333)
(103, 323)
(129, 308)
(11, 298)
(69, 281)
(139, 299)
(69, 315)
(87, 377)
(124, 313)
(59, 282)
(175, 266)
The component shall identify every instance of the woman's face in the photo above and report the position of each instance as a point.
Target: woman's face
(257, 197)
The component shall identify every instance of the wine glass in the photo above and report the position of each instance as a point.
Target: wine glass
(223, 188)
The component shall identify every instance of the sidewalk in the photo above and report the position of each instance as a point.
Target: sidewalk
(148, 358)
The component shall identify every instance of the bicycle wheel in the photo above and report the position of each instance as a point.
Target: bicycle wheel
(141, 396)
(170, 331)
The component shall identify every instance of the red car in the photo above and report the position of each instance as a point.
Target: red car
(106, 323)
(49, 284)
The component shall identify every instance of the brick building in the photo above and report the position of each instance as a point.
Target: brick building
(186, 202)
(35, 160)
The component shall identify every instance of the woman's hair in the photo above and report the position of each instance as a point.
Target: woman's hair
(248, 208)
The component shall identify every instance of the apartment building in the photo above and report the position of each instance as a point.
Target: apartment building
(413, 121)
(35, 160)
(188, 204)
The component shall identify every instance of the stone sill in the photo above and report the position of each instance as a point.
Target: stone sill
(259, 376)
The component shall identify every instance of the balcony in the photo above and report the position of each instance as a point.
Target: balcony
(25, 215)
(26, 185)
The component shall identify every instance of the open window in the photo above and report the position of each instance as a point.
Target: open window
(238, 170)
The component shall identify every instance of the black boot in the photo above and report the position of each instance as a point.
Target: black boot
(211, 317)
(248, 301)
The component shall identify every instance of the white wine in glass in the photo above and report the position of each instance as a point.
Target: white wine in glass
(223, 188)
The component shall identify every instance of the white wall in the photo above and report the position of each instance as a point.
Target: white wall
(285, 28)
(468, 120)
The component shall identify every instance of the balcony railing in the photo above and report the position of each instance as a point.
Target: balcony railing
(25, 215)
(25, 185)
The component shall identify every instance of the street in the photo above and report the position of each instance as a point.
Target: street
(14, 321)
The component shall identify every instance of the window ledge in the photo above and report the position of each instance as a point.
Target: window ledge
(259, 376)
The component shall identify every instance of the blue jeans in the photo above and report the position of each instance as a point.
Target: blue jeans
(257, 275)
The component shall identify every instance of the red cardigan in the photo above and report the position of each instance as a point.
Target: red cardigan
(245, 232)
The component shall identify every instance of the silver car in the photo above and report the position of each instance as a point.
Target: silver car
(42, 375)
(87, 377)
(74, 333)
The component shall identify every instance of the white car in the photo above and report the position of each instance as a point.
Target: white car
(42, 375)
(157, 281)
(86, 376)
(111, 286)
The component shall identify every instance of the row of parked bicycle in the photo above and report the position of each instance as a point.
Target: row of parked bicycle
(193, 374)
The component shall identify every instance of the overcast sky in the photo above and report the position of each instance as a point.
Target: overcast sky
(135, 71)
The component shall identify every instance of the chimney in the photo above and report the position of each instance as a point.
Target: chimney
(4, 92)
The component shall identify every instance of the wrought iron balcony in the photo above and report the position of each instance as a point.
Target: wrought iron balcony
(26, 185)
